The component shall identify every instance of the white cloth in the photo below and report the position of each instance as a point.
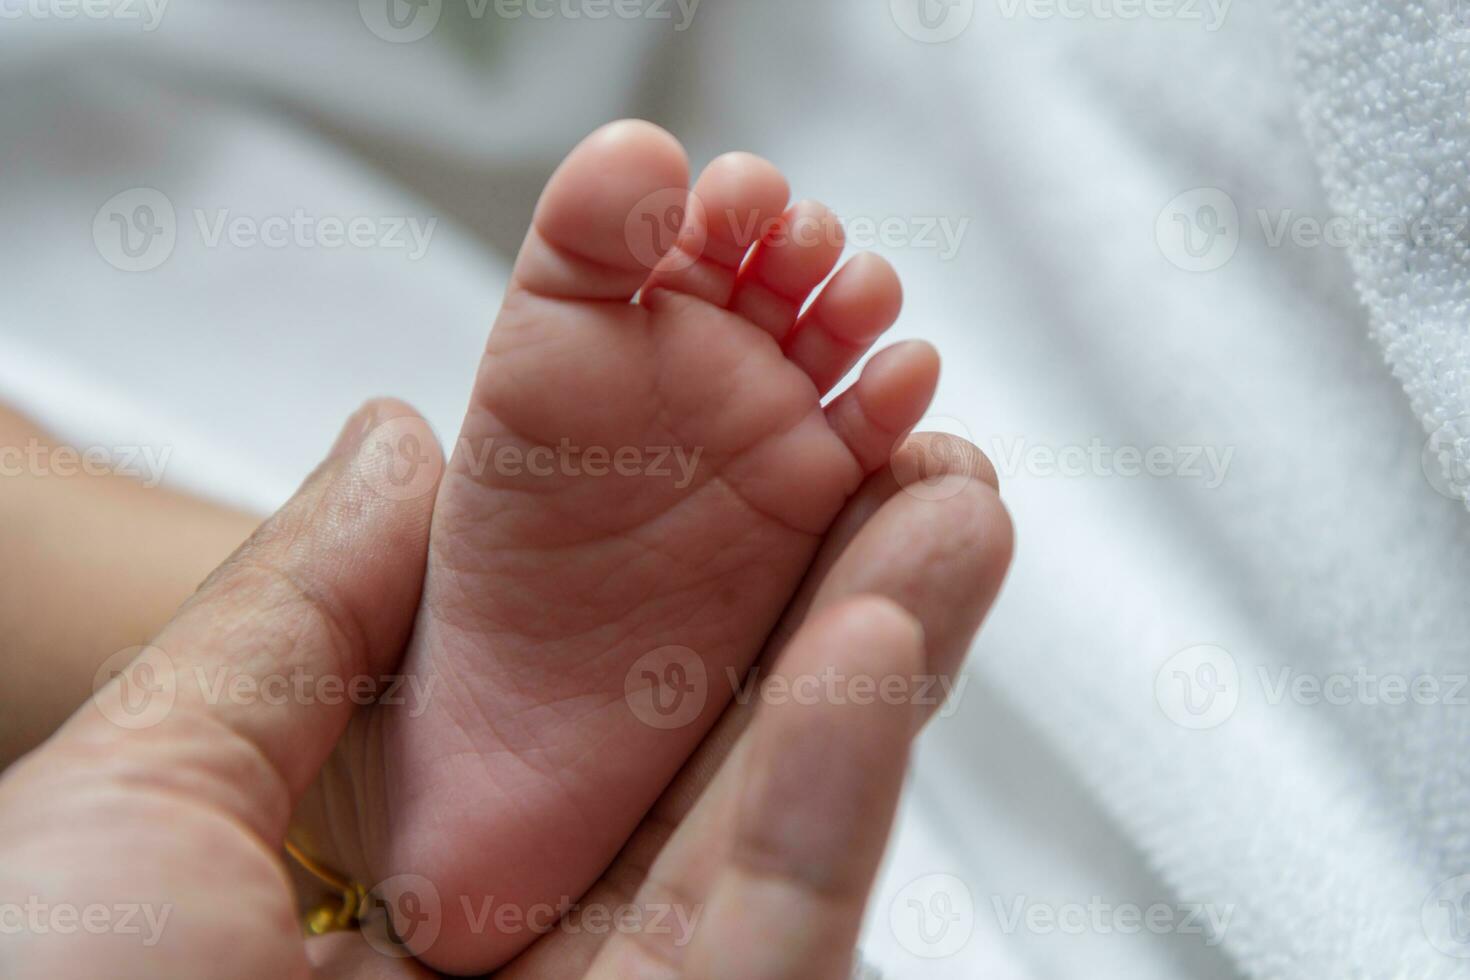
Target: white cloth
(1073, 152)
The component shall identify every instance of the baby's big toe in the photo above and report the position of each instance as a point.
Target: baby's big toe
(604, 219)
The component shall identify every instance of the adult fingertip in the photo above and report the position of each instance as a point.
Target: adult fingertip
(936, 464)
(392, 451)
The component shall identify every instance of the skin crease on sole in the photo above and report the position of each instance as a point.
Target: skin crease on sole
(522, 777)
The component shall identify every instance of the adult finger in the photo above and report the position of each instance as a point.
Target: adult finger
(779, 856)
(243, 695)
(170, 790)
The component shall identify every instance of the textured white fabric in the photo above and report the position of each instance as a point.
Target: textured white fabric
(1057, 144)
(1384, 102)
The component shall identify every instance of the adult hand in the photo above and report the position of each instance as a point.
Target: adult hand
(144, 838)
(147, 844)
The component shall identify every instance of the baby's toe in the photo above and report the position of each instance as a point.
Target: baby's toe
(793, 258)
(603, 221)
(854, 309)
(888, 399)
(735, 201)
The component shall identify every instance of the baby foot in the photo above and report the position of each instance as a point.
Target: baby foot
(645, 463)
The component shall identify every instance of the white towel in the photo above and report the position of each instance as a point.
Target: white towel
(1385, 90)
